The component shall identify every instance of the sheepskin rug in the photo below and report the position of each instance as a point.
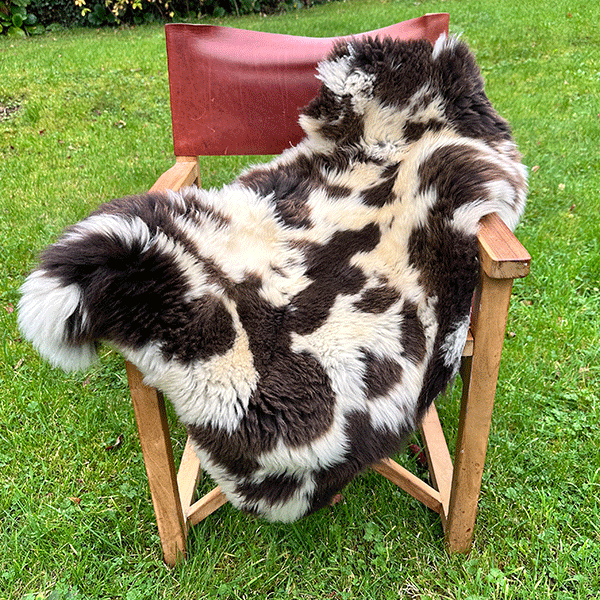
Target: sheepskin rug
(303, 318)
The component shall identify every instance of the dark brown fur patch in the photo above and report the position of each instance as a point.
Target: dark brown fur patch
(381, 374)
(381, 194)
(377, 299)
(292, 404)
(328, 266)
(413, 334)
(467, 106)
(272, 490)
(336, 117)
(398, 69)
(147, 294)
(290, 187)
(415, 130)
(462, 183)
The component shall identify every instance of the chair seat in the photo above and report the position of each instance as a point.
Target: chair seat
(436, 497)
(454, 490)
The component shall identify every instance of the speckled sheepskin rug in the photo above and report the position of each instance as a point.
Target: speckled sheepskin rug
(303, 318)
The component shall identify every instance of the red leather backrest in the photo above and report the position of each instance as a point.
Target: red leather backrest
(240, 92)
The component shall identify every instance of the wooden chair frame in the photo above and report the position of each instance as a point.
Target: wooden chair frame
(455, 487)
(455, 491)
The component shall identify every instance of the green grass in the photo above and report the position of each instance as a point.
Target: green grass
(87, 119)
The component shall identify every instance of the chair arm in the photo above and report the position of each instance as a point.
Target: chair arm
(183, 173)
(502, 255)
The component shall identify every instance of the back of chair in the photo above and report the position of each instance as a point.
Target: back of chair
(236, 92)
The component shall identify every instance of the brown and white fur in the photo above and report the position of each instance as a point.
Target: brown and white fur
(303, 318)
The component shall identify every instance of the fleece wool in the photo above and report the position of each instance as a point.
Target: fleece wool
(303, 318)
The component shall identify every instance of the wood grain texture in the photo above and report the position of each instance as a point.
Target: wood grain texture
(502, 255)
(153, 430)
(410, 483)
(188, 476)
(206, 505)
(183, 173)
(438, 458)
(479, 389)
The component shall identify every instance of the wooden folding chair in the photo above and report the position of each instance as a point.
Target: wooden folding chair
(238, 92)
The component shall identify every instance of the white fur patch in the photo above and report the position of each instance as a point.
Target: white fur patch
(44, 309)
(212, 392)
(397, 409)
(250, 241)
(128, 229)
(444, 43)
(334, 73)
(454, 343)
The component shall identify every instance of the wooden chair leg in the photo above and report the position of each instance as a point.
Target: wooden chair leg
(439, 461)
(188, 476)
(408, 482)
(479, 388)
(153, 429)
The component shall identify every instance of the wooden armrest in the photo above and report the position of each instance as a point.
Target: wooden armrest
(502, 255)
(183, 173)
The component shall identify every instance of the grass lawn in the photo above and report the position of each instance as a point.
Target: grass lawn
(84, 117)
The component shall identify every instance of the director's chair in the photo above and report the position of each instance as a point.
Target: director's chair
(236, 92)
